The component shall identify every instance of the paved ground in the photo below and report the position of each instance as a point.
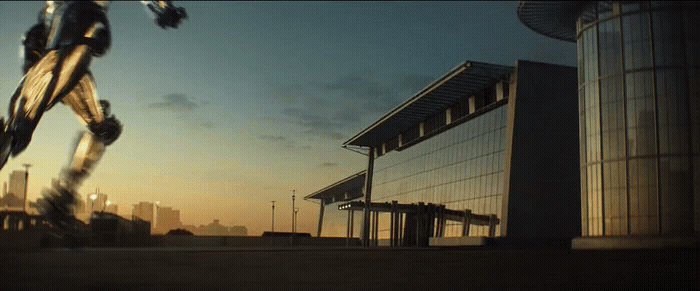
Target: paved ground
(345, 268)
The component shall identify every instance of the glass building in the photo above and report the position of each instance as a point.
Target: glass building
(639, 111)
(490, 139)
(333, 222)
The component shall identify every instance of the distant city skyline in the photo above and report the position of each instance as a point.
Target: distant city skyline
(246, 101)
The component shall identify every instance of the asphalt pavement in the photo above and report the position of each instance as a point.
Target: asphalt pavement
(343, 268)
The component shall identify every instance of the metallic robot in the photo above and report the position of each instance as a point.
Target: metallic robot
(57, 54)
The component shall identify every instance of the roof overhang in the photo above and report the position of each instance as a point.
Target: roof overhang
(344, 190)
(556, 19)
(465, 80)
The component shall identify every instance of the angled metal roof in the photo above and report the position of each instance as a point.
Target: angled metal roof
(556, 19)
(466, 79)
(343, 190)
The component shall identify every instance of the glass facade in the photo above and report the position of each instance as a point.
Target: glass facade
(639, 118)
(335, 221)
(461, 168)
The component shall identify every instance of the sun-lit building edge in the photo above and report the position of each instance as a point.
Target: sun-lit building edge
(639, 110)
(485, 151)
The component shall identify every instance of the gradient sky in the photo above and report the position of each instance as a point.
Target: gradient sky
(247, 101)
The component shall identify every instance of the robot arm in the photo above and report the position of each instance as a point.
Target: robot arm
(167, 15)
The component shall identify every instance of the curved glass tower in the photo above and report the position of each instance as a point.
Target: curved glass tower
(639, 106)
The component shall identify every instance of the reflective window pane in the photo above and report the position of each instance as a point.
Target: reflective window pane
(463, 169)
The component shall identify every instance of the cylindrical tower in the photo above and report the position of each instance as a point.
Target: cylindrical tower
(639, 111)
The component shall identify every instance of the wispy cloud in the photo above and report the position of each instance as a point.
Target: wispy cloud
(328, 165)
(207, 124)
(316, 123)
(346, 102)
(185, 109)
(273, 138)
(280, 141)
(376, 97)
(175, 102)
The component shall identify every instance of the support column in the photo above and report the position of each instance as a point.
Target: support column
(375, 230)
(492, 225)
(371, 228)
(352, 223)
(399, 240)
(395, 218)
(320, 218)
(348, 236)
(466, 221)
(368, 198)
(443, 221)
(421, 227)
(392, 228)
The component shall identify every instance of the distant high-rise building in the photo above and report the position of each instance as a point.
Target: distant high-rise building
(143, 210)
(167, 219)
(216, 229)
(98, 205)
(111, 208)
(16, 189)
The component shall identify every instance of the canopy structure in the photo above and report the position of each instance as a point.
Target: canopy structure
(556, 19)
(344, 190)
(465, 80)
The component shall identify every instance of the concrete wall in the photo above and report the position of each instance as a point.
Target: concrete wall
(247, 241)
(543, 187)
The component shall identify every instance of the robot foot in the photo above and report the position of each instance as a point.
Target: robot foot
(57, 206)
(5, 143)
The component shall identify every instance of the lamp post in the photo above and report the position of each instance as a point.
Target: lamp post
(155, 218)
(296, 210)
(26, 181)
(273, 216)
(293, 221)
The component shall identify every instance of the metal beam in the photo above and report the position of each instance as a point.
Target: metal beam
(368, 198)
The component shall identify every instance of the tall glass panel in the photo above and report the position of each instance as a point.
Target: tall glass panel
(639, 91)
(609, 47)
(641, 119)
(461, 168)
(613, 121)
(335, 222)
(637, 41)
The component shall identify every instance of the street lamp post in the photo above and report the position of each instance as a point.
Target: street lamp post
(296, 210)
(293, 221)
(273, 216)
(155, 218)
(26, 181)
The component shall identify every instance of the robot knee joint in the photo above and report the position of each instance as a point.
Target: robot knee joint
(107, 131)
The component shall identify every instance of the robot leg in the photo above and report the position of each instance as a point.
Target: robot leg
(59, 202)
(44, 84)
(89, 148)
(104, 129)
(58, 205)
(88, 151)
(54, 76)
(5, 134)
